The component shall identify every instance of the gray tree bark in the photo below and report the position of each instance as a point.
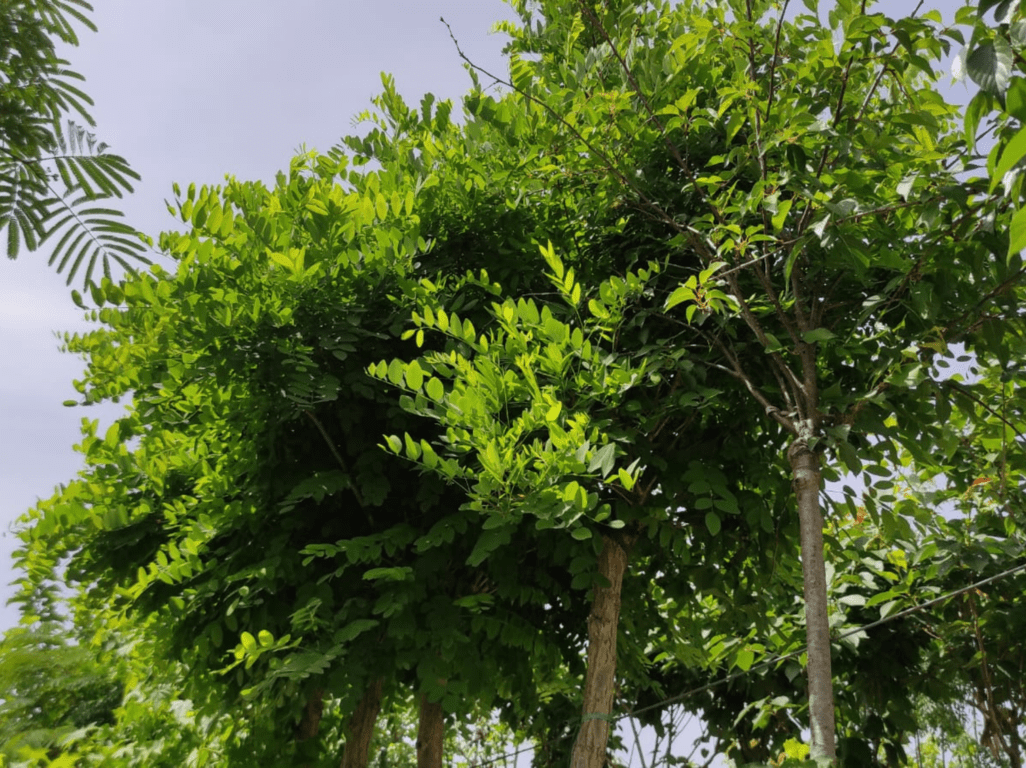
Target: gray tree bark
(807, 476)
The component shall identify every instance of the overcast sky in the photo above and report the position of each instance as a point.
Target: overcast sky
(190, 91)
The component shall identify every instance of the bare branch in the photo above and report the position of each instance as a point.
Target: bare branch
(738, 372)
(776, 57)
(954, 385)
(752, 322)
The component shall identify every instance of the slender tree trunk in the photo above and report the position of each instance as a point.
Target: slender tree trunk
(311, 722)
(590, 747)
(806, 471)
(430, 734)
(360, 727)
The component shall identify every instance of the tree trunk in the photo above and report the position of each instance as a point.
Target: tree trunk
(360, 727)
(807, 476)
(311, 722)
(603, 623)
(430, 734)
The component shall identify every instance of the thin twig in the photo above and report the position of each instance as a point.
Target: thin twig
(654, 207)
(338, 457)
(739, 373)
(800, 396)
(773, 63)
(950, 384)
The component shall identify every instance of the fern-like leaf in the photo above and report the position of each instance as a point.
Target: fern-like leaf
(53, 177)
(36, 212)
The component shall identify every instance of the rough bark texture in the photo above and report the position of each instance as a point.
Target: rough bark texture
(360, 727)
(430, 734)
(807, 476)
(603, 622)
(311, 722)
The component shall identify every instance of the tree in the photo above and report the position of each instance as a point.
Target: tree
(55, 177)
(52, 689)
(814, 208)
(273, 439)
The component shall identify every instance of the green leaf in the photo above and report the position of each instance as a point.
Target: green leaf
(744, 659)
(679, 296)
(712, 522)
(1015, 99)
(435, 389)
(553, 413)
(1017, 36)
(353, 629)
(849, 456)
(817, 335)
(280, 258)
(412, 447)
(395, 372)
(581, 534)
(554, 262)
(990, 66)
(780, 217)
(773, 344)
(1017, 233)
(414, 375)
(603, 459)
(1014, 151)
(626, 479)
(978, 106)
(489, 541)
(388, 574)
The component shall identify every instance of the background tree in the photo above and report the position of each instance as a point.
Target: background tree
(54, 691)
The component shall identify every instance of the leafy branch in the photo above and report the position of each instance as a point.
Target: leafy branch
(36, 152)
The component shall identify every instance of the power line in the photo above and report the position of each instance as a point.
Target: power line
(765, 664)
(854, 631)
